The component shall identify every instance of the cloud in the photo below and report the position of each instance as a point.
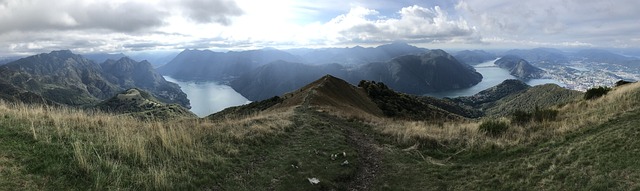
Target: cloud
(413, 23)
(117, 16)
(35, 15)
(593, 22)
(211, 11)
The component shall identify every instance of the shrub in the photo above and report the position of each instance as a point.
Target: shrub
(520, 117)
(594, 93)
(494, 127)
(541, 115)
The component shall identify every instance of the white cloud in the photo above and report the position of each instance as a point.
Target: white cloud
(115, 15)
(413, 23)
(211, 11)
(594, 22)
(37, 15)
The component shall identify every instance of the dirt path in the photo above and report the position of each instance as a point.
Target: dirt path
(370, 155)
(369, 152)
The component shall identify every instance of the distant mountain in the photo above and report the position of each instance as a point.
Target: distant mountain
(5, 60)
(473, 57)
(601, 56)
(519, 67)
(415, 74)
(156, 58)
(280, 77)
(356, 55)
(102, 57)
(127, 73)
(540, 55)
(71, 79)
(432, 71)
(205, 65)
(140, 104)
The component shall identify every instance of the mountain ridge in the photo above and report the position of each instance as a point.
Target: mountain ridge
(71, 79)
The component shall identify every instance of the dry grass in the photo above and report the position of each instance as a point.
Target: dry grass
(465, 134)
(120, 151)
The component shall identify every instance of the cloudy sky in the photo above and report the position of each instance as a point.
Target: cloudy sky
(34, 26)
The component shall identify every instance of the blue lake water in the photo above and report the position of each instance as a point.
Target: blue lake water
(492, 76)
(209, 97)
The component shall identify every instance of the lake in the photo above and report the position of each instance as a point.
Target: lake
(492, 75)
(209, 97)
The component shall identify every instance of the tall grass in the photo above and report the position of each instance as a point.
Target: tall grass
(466, 134)
(123, 152)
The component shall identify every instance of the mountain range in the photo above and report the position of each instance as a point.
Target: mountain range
(205, 65)
(432, 71)
(71, 79)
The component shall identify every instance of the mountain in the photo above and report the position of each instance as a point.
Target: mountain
(493, 94)
(540, 55)
(142, 105)
(415, 74)
(519, 67)
(14, 94)
(473, 57)
(71, 79)
(60, 76)
(356, 55)
(601, 56)
(5, 60)
(331, 93)
(432, 71)
(128, 73)
(156, 58)
(206, 65)
(280, 77)
(102, 57)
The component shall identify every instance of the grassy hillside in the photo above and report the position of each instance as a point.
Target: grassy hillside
(590, 146)
(541, 96)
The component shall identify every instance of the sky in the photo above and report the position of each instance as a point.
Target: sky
(110, 26)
